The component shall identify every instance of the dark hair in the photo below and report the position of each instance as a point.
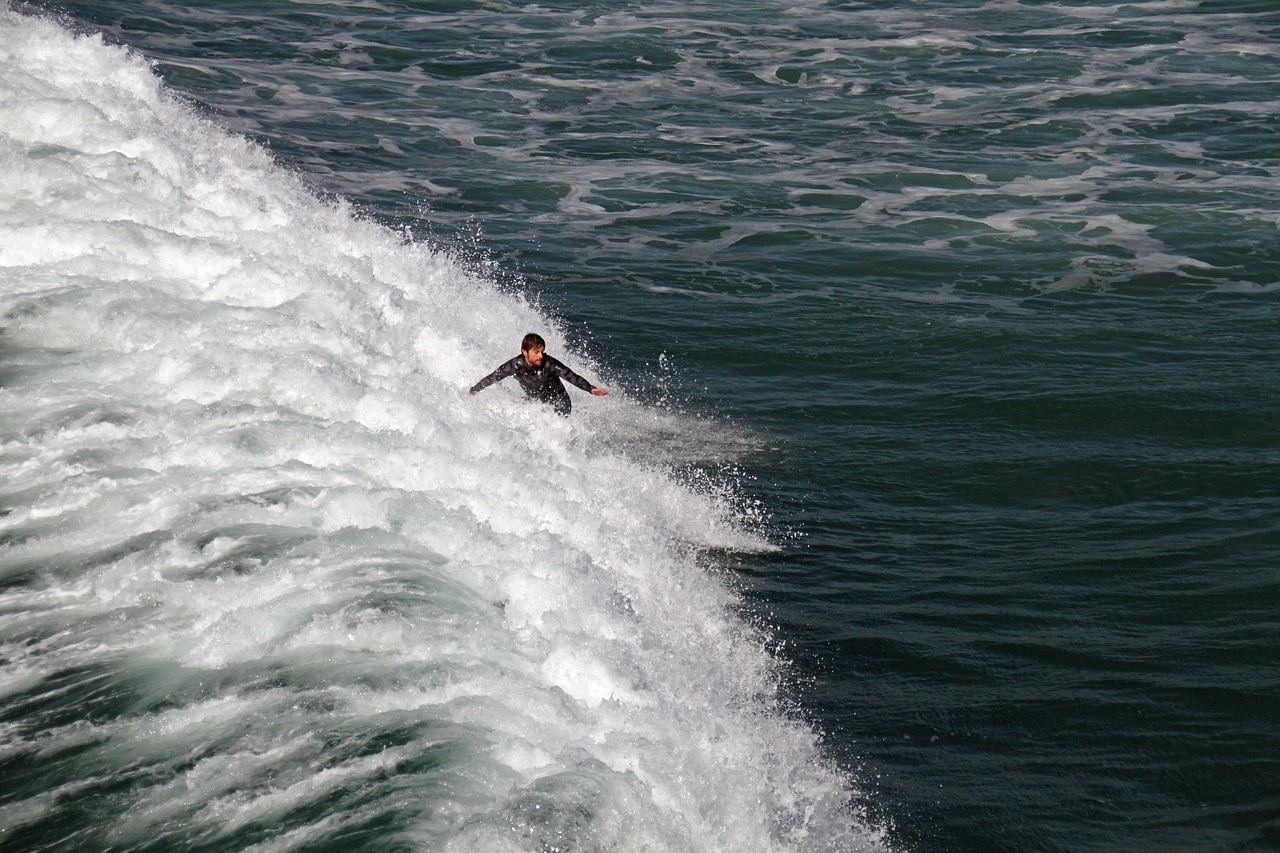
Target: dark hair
(533, 340)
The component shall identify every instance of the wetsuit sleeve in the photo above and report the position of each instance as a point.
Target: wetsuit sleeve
(507, 368)
(568, 375)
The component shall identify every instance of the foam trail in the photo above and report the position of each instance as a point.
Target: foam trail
(269, 579)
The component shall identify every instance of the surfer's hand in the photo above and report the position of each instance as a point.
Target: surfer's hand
(599, 392)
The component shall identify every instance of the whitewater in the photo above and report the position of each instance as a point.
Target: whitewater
(271, 580)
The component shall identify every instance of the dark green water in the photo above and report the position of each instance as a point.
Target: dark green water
(992, 287)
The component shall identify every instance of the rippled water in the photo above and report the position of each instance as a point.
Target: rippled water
(969, 305)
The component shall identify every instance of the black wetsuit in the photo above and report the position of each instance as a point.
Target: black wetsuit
(541, 382)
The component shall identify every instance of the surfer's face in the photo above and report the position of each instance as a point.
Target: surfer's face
(533, 356)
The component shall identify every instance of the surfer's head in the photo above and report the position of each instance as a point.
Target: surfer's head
(532, 348)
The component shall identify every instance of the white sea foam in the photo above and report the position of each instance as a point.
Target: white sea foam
(321, 588)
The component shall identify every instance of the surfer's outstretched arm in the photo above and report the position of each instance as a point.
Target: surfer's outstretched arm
(507, 368)
(569, 376)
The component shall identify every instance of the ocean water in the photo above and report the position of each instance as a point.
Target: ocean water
(935, 506)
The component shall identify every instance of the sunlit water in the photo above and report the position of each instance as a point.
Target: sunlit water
(941, 342)
(272, 581)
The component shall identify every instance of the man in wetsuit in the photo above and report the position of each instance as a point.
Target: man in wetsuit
(539, 375)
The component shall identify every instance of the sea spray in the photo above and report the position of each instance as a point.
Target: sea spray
(272, 581)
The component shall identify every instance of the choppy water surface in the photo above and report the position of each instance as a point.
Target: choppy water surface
(942, 332)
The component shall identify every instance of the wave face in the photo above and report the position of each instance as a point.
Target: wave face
(272, 581)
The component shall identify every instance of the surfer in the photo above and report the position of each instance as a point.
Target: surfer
(539, 375)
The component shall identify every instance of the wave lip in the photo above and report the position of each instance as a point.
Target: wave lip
(269, 578)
